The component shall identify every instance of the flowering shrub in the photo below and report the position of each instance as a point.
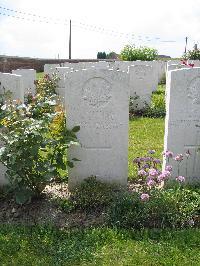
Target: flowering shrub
(163, 208)
(192, 55)
(35, 141)
(132, 53)
(152, 204)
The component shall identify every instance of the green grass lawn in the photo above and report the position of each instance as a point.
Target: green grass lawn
(144, 134)
(104, 246)
(100, 246)
(39, 75)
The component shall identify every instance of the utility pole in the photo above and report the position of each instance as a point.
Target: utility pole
(186, 40)
(70, 39)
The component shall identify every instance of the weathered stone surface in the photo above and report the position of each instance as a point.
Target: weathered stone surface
(14, 84)
(141, 85)
(98, 101)
(176, 66)
(182, 124)
(28, 77)
(50, 69)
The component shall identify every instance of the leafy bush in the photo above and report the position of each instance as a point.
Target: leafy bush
(175, 207)
(192, 54)
(35, 140)
(155, 109)
(132, 53)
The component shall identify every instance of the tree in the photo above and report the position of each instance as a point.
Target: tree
(101, 55)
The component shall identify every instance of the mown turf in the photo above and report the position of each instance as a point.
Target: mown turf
(39, 75)
(101, 246)
(144, 134)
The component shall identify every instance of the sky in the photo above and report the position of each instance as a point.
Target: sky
(41, 28)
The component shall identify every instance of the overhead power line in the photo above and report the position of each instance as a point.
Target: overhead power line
(21, 15)
(31, 14)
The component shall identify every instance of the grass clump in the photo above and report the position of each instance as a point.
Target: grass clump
(90, 195)
(98, 246)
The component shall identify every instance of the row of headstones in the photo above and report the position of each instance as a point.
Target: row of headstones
(97, 100)
(20, 82)
(144, 76)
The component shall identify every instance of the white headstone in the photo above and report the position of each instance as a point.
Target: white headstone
(50, 69)
(141, 85)
(14, 84)
(171, 62)
(98, 101)
(161, 69)
(176, 66)
(182, 124)
(28, 77)
(120, 65)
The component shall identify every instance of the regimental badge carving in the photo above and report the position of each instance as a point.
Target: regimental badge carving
(96, 92)
(140, 72)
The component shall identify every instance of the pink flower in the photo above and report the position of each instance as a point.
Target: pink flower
(168, 154)
(160, 178)
(147, 159)
(184, 63)
(180, 179)
(151, 183)
(163, 176)
(144, 197)
(178, 157)
(168, 168)
(153, 172)
(145, 166)
(157, 161)
(136, 160)
(142, 172)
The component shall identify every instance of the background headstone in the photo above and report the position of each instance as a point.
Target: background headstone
(28, 77)
(141, 85)
(14, 84)
(50, 69)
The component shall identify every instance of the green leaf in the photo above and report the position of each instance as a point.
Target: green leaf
(76, 160)
(76, 129)
(23, 195)
(70, 164)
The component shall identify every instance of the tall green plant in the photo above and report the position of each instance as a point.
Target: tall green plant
(132, 53)
(192, 54)
(35, 141)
